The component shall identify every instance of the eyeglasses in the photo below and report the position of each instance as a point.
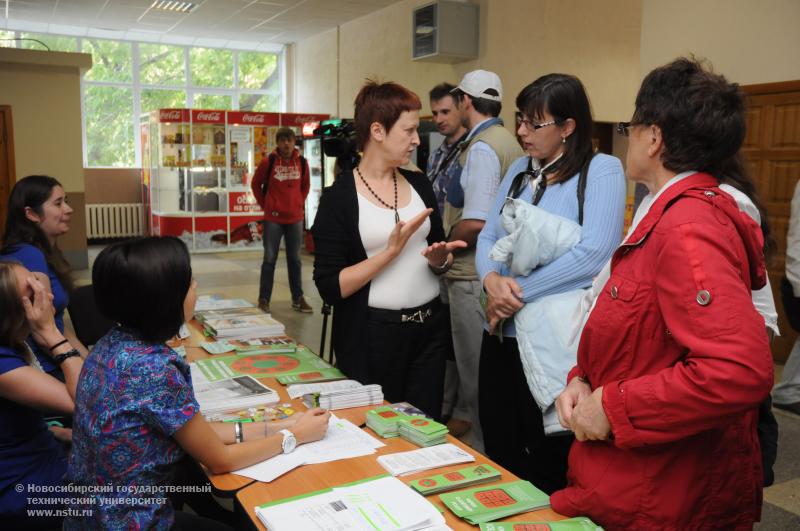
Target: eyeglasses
(623, 128)
(529, 125)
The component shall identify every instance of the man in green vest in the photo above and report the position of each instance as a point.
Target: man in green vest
(489, 151)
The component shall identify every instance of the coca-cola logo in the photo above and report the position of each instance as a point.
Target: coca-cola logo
(173, 115)
(209, 116)
(253, 118)
(304, 119)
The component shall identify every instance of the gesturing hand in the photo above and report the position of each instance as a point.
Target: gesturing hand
(439, 251)
(39, 310)
(403, 231)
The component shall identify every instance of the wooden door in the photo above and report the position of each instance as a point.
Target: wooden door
(7, 168)
(772, 152)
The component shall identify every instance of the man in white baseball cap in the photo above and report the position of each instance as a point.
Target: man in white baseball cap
(482, 84)
(487, 152)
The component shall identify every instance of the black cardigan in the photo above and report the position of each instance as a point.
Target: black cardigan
(337, 245)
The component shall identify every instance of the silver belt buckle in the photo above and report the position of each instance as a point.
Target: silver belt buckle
(416, 317)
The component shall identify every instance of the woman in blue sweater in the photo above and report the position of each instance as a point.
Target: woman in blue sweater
(554, 123)
(38, 214)
(32, 459)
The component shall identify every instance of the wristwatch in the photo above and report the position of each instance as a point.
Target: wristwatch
(289, 442)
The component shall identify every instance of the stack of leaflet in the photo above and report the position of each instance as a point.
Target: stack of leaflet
(382, 503)
(404, 463)
(300, 389)
(217, 302)
(330, 395)
(422, 432)
(464, 477)
(580, 523)
(384, 420)
(494, 502)
(239, 323)
(241, 392)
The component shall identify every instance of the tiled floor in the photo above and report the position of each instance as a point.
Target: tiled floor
(236, 275)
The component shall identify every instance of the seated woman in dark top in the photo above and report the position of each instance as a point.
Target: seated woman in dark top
(30, 454)
(379, 246)
(38, 214)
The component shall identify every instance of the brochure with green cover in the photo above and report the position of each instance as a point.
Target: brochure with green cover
(465, 477)
(423, 432)
(493, 502)
(581, 523)
(261, 365)
(318, 375)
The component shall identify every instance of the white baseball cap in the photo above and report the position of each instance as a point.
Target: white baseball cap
(478, 82)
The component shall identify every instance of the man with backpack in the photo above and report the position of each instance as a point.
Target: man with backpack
(280, 185)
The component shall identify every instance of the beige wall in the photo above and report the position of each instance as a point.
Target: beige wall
(315, 86)
(520, 40)
(749, 42)
(113, 185)
(43, 90)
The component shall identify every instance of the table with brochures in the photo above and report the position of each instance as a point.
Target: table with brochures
(249, 493)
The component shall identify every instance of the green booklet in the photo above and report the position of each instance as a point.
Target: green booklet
(423, 432)
(261, 365)
(384, 420)
(319, 375)
(485, 504)
(465, 477)
(581, 523)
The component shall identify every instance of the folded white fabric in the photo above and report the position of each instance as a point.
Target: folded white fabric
(537, 237)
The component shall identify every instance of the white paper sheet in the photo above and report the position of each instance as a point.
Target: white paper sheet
(404, 463)
(343, 440)
(298, 390)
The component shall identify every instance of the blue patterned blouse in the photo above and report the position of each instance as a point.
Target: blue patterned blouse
(132, 397)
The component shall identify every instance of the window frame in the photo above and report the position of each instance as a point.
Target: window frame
(136, 86)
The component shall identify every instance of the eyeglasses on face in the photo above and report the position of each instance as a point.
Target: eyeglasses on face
(624, 128)
(529, 125)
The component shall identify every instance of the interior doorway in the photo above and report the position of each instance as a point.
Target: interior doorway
(772, 152)
(7, 167)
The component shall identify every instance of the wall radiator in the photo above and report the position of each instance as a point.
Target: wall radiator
(114, 220)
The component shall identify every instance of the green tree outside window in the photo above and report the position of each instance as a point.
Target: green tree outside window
(152, 99)
(56, 43)
(160, 64)
(212, 101)
(111, 60)
(109, 129)
(211, 67)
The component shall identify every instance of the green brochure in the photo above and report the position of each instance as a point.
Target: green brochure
(493, 502)
(581, 523)
(319, 375)
(261, 365)
(465, 477)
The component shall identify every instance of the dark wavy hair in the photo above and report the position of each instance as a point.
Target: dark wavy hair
(142, 284)
(13, 326)
(563, 96)
(32, 192)
(382, 103)
(703, 125)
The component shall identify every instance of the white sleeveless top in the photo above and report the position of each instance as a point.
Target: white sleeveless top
(407, 281)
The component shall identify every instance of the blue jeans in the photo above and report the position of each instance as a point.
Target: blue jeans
(272, 241)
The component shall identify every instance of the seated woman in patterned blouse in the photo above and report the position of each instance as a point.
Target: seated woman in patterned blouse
(136, 414)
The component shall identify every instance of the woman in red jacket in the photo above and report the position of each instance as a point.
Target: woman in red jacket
(674, 358)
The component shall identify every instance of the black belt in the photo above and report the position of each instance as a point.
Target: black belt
(418, 314)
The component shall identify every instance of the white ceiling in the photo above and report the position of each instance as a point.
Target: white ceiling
(242, 24)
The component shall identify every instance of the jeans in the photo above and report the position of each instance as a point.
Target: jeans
(272, 241)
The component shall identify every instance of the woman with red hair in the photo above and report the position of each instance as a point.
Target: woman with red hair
(379, 247)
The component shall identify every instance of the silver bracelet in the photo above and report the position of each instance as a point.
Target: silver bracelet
(237, 431)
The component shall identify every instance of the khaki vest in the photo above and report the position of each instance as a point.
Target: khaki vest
(507, 149)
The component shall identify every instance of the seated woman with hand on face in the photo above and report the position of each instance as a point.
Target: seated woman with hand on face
(136, 414)
(30, 453)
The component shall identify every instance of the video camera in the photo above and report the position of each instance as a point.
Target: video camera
(339, 141)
